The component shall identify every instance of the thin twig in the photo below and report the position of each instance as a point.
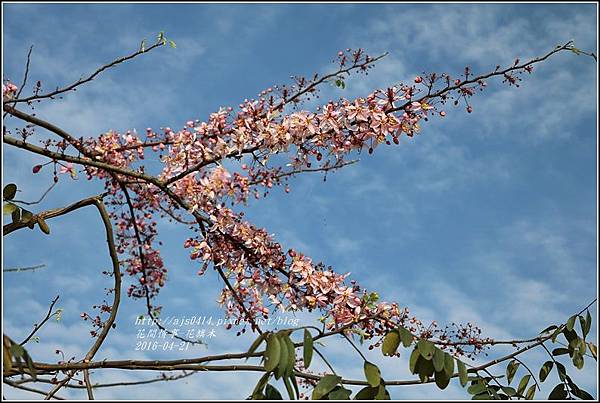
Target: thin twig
(25, 76)
(20, 269)
(40, 199)
(88, 78)
(28, 389)
(46, 318)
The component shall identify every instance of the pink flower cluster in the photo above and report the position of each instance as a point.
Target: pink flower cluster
(8, 91)
(262, 277)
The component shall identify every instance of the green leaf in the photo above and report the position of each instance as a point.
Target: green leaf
(558, 393)
(325, 385)
(548, 329)
(523, 384)
(476, 389)
(562, 372)
(172, 44)
(26, 216)
(530, 393)
(462, 372)
(424, 368)
(405, 336)
(570, 335)
(438, 359)
(391, 341)
(291, 349)
(448, 364)
(143, 46)
(256, 343)
(511, 370)
(509, 391)
(16, 215)
(288, 387)
(545, 370)
(283, 357)
(582, 394)
(260, 386)
(8, 208)
(272, 352)
(292, 379)
(308, 348)
(271, 393)
(578, 360)
(586, 326)
(571, 323)
(482, 396)
(340, 393)
(372, 373)
(382, 393)
(43, 226)
(366, 393)
(30, 365)
(412, 362)
(593, 350)
(442, 379)
(9, 191)
(426, 349)
(556, 333)
(560, 351)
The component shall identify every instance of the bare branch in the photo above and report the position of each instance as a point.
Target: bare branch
(46, 318)
(86, 79)
(28, 389)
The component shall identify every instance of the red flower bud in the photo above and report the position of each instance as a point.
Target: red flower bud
(36, 169)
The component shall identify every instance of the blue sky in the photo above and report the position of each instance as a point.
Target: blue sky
(487, 217)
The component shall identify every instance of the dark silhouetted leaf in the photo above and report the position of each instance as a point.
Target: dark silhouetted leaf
(560, 351)
(558, 393)
(476, 388)
(43, 226)
(523, 384)
(562, 372)
(551, 327)
(509, 391)
(9, 191)
(530, 393)
(545, 370)
(511, 370)
(271, 393)
(366, 393)
(593, 350)
(441, 379)
(571, 323)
